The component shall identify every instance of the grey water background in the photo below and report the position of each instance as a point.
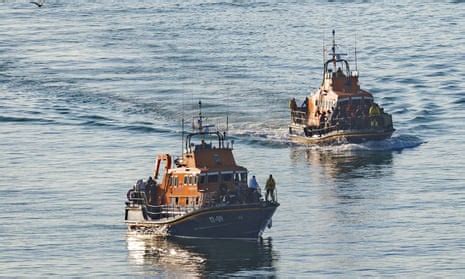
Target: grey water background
(90, 91)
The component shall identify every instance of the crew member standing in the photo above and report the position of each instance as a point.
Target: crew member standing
(270, 187)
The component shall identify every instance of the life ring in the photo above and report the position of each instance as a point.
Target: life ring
(130, 194)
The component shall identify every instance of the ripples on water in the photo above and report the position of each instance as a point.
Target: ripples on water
(91, 90)
(202, 258)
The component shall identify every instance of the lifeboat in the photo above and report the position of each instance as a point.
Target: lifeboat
(339, 111)
(201, 194)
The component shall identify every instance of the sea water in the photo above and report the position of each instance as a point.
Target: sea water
(91, 91)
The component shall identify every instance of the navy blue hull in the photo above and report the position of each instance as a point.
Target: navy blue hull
(233, 221)
(228, 221)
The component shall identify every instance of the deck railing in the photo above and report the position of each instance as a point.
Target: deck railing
(299, 116)
(157, 212)
(381, 122)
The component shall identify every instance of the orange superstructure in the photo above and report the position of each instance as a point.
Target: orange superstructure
(339, 110)
(204, 172)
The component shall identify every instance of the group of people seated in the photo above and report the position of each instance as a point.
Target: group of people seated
(361, 115)
(345, 112)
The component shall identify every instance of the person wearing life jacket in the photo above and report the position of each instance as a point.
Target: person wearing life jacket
(374, 110)
(270, 187)
(374, 113)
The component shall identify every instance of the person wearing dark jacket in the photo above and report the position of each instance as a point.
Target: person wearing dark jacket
(270, 187)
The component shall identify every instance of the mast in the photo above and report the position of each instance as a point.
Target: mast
(182, 127)
(324, 50)
(182, 137)
(355, 54)
(334, 50)
(200, 116)
(200, 120)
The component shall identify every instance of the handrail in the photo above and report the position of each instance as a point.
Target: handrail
(382, 121)
(174, 210)
(221, 138)
(298, 116)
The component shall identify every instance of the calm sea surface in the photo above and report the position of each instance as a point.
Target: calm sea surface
(90, 91)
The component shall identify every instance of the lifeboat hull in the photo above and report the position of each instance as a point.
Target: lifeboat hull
(245, 221)
(339, 136)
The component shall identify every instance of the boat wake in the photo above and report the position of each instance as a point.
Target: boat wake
(279, 138)
(395, 143)
(271, 137)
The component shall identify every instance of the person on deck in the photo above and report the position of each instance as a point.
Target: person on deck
(293, 104)
(253, 184)
(270, 187)
(374, 110)
(374, 113)
(253, 189)
(323, 120)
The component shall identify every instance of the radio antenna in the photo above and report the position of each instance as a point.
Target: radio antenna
(227, 112)
(182, 126)
(334, 50)
(182, 135)
(324, 50)
(356, 68)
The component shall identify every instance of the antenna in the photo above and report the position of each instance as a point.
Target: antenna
(324, 58)
(227, 112)
(334, 50)
(324, 50)
(356, 68)
(182, 139)
(200, 120)
(182, 126)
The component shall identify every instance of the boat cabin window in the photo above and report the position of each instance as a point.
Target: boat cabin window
(212, 178)
(226, 177)
(191, 179)
(173, 181)
(244, 177)
(202, 179)
(174, 200)
(240, 176)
